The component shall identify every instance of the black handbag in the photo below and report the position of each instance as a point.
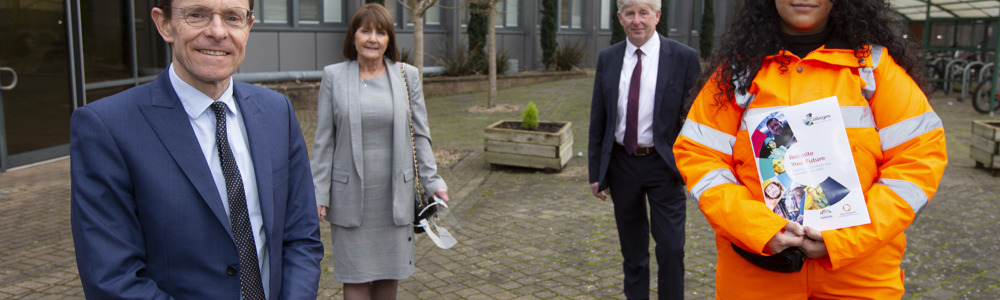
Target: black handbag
(788, 261)
(422, 208)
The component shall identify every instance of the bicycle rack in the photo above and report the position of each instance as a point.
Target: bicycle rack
(947, 75)
(986, 69)
(965, 78)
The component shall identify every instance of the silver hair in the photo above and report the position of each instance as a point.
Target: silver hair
(654, 4)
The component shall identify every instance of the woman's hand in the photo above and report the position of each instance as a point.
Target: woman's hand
(321, 210)
(813, 245)
(781, 240)
(443, 194)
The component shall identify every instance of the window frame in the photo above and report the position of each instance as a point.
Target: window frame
(293, 18)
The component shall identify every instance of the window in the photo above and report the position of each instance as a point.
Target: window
(506, 17)
(507, 14)
(431, 17)
(605, 14)
(271, 11)
(571, 14)
(311, 12)
(333, 11)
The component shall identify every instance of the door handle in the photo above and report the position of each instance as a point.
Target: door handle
(13, 82)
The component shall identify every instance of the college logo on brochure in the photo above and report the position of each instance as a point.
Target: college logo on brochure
(847, 207)
(810, 120)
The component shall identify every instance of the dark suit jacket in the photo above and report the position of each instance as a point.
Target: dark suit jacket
(147, 218)
(677, 73)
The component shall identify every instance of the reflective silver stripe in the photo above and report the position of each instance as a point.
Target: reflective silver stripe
(876, 55)
(868, 73)
(908, 191)
(906, 130)
(868, 76)
(708, 136)
(743, 100)
(712, 179)
(857, 116)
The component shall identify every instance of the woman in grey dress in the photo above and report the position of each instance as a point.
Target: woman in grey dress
(362, 158)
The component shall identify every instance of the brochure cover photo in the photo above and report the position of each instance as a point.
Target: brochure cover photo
(806, 167)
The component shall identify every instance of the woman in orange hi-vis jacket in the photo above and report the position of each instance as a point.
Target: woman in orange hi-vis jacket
(780, 53)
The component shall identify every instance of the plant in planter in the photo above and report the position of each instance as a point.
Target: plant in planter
(547, 145)
(529, 118)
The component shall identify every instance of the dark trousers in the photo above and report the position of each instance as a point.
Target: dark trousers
(632, 180)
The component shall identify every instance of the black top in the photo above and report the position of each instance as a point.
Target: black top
(801, 45)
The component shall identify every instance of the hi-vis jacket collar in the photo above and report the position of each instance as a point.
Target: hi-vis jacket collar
(831, 53)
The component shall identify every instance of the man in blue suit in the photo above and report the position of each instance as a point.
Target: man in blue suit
(641, 96)
(194, 186)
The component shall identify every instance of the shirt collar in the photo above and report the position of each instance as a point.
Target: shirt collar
(195, 102)
(651, 47)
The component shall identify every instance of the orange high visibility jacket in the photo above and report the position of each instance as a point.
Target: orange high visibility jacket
(897, 141)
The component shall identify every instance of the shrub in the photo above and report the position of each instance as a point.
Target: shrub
(476, 31)
(405, 56)
(529, 117)
(570, 55)
(550, 23)
(457, 61)
(503, 60)
(707, 33)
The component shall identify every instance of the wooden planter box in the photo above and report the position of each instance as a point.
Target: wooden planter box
(986, 145)
(540, 149)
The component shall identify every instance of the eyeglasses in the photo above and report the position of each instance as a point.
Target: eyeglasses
(200, 16)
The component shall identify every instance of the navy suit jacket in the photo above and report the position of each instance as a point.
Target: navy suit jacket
(147, 218)
(677, 73)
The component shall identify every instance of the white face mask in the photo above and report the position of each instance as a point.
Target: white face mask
(439, 235)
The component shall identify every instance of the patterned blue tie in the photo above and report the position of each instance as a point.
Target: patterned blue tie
(239, 218)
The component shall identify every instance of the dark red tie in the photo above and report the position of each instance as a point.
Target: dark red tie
(631, 139)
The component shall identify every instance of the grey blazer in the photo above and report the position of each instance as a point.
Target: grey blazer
(337, 158)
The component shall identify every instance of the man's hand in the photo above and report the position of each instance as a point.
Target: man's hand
(781, 240)
(813, 245)
(321, 210)
(603, 195)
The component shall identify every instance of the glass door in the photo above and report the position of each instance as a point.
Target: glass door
(36, 108)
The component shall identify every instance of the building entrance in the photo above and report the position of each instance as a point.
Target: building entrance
(35, 102)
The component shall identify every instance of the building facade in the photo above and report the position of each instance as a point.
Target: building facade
(56, 56)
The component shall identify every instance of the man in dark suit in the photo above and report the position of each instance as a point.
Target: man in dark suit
(194, 186)
(641, 92)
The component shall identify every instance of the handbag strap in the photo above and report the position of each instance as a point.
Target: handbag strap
(409, 109)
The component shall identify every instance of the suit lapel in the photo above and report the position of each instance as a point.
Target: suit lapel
(663, 75)
(615, 76)
(354, 115)
(260, 150)
(400, 117)
(167, 117)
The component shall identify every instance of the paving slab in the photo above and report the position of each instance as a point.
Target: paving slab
(530, 234)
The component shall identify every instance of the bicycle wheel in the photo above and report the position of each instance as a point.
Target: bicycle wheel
(983, 96)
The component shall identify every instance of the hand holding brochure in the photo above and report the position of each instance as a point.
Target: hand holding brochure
(806, 167)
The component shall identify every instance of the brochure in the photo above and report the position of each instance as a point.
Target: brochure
(806, 167)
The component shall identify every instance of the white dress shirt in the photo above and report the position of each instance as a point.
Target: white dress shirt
(647, 89)
(202, 118)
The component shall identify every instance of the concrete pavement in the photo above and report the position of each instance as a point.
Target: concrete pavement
(527, 234)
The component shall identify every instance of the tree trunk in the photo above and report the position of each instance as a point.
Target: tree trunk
(491, 57)
(418, 40)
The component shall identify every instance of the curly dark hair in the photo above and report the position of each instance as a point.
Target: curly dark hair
(748, 40)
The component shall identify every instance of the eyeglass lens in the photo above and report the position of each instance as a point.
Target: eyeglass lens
(199, 16)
